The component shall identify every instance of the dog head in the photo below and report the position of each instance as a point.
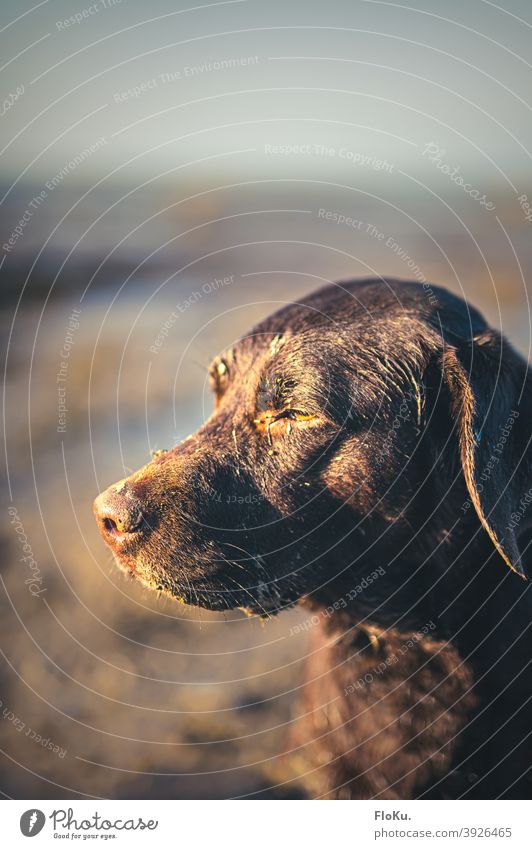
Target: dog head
(371, 423)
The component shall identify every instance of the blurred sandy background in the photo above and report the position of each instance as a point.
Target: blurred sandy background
(215, 197)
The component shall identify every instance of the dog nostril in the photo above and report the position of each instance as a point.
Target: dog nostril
(110, 526)
(120, 517)
(121, 525)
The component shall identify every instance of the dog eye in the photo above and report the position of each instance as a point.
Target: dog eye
(272, 422)
(294, 415)
(269, 417)
(219, 374)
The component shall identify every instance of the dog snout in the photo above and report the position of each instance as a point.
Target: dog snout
(119, 515)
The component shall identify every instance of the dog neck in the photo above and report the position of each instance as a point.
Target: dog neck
(406, 694)
(453, 580)
(374, 693)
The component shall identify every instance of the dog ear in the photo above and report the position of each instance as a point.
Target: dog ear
(486, 385)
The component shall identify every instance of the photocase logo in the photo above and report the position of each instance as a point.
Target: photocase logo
(32, 822)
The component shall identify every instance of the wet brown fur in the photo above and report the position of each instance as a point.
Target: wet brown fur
(376, 424)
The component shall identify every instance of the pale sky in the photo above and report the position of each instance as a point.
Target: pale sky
(238, 84)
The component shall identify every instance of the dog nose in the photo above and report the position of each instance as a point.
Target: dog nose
(119, 516)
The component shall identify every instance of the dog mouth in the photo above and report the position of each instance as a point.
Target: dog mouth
(256, 601)
(215, 574)
(220, 591)
(127, 565)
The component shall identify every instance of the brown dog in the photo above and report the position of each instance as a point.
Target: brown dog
(369, 456)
